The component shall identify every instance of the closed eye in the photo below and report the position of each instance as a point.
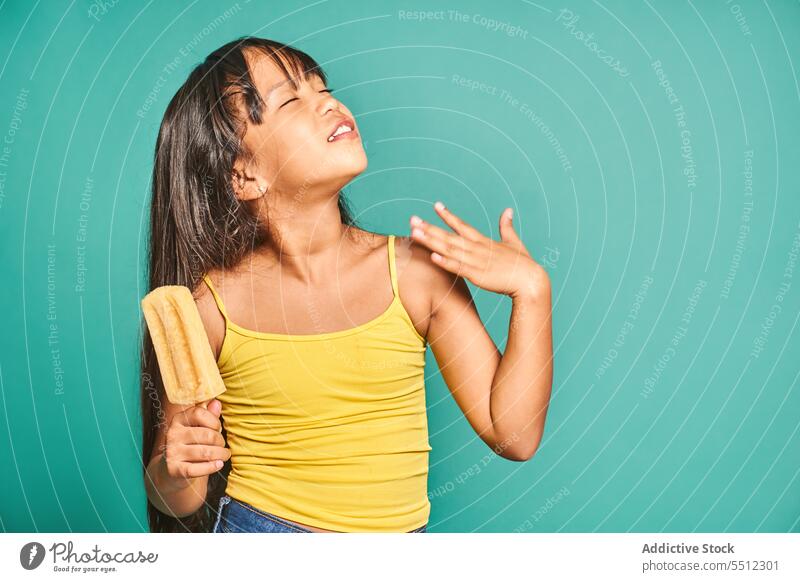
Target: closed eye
(296, 98)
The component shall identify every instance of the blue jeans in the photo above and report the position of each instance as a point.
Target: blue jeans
(234, 516)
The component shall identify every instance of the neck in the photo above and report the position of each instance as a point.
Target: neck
(306, 235)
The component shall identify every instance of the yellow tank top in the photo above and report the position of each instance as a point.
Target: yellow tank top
(330, 429)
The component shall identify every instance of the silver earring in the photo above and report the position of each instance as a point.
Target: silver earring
(262, 189)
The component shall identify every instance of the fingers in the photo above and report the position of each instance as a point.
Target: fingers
(200, 435)
(444, 244)
(195, 460)
(448, 264)
(199, 416)
(439, 240)
(426, 229)
(458, 225)
(203, 453)
(214, 406)
(194, 445)
(507, 232)
(192, 470)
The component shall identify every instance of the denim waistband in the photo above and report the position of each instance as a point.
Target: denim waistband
(275, 522)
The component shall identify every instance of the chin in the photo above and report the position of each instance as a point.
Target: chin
(351, 163)
(362, 161)
(334, 168)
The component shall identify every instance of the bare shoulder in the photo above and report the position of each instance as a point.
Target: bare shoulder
(213, 321)
(439, 283)
(422, 282)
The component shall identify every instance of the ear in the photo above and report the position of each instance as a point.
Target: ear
(238, 182)
(247, 187)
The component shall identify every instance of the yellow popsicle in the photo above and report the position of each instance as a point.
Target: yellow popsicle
(185, 358)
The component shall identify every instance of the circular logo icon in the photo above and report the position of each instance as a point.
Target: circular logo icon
(31, 555)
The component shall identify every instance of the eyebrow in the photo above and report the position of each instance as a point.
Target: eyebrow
(280, 84)
(291, 81)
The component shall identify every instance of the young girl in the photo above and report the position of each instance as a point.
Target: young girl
(319, 327)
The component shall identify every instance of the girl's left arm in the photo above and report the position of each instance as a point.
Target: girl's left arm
(504, 397)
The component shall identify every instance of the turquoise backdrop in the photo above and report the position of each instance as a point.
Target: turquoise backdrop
(650, 152)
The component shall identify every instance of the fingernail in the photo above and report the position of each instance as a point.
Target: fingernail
(415, 219)
(219, 464)
(510, 213)
(438, 206)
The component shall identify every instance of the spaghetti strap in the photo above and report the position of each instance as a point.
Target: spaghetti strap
(217, 298)
(392, 266)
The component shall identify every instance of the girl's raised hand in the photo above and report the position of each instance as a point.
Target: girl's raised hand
(503, 266)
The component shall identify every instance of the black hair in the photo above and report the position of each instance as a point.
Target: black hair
(197, 223)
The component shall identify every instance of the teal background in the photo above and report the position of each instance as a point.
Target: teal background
(601, 199)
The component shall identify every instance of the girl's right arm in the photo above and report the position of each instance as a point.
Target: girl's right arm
(184, 455)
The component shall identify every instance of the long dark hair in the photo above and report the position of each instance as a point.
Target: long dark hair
(196, 221)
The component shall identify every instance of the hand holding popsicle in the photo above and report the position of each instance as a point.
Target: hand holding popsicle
(194, 445)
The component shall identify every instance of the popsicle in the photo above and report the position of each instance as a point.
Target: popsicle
(185, 358)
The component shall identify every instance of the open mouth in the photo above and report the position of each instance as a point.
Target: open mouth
(344, 130)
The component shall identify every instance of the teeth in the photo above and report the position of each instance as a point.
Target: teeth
(339, 130)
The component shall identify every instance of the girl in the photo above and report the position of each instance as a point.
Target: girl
(324, 409)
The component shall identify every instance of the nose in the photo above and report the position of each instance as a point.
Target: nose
(329, 103)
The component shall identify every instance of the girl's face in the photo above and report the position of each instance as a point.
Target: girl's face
(291, 146)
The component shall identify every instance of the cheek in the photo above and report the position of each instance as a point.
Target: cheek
(301, 134)
(267, 146)
(302, 147)
(296, 140)
(292, 147)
